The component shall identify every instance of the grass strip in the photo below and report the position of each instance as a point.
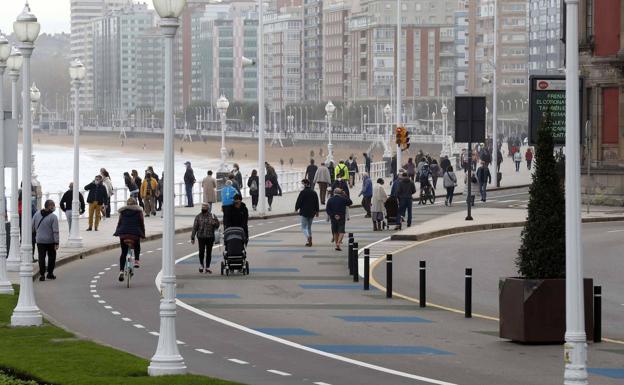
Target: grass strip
(51, 355)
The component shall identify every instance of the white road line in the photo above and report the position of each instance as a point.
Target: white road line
(126, 319)
(237, 361)
(615, 231)
(108, 307)
(96, 296)
(279, 373)
(154, 333)
(139, 326)
(114, 264)
(94, 281)
(107, 268)
(92, 286)
(115, 312)
(508, 201)
(269, 223)
(101, 301)
(101, 273)
(180, 243)
(321, 383)
(181, 342)
(150, 251)
(203, 351)
(93, 291)
(160, 248)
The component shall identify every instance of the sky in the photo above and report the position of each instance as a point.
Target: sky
(52, 14)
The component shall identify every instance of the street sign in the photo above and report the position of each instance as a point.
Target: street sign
(547, 93)
(469, 119)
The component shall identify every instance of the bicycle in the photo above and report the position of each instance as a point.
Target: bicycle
(427, 193)
(129, 267)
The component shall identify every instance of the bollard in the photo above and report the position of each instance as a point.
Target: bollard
(388, 275)
(356, 273)
(468, 310)
(366, 269)
(350, 256)
(423, 284)
(597, 313)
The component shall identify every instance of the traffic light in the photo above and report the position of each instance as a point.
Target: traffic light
(402, 138)
(399, 135)
(406, 140)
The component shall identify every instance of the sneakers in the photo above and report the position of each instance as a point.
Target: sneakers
(136, 264)
(269, 208)
(42, 278)
(201, 269)
(121, 276)
(309, 243)
(89, 229)
(208, 271)
(51, 276)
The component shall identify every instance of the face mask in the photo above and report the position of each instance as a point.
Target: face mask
(204, 211)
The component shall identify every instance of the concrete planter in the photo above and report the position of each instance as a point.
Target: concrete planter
(533, 310)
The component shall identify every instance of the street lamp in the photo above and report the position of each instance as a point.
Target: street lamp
(167, 359)
(5, 284)
(388, 149)
(445, 145)
(77, 73)
(14, 65)
(222, 106)
(26, 313)
(329, 109)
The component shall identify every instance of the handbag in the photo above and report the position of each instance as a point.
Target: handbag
(217, 233)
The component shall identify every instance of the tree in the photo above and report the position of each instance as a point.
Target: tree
(542, 252)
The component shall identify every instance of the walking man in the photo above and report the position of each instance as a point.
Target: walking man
(337, 211)
(311, 172)
(95, 199)
(308, 207)
(366, 193)
(367, 162)
(483, 177)
(323, 178)
(517, 158)
(209, 185)
(45, 227)
(405, 189)
(353, 170)
(149, 188)
(529, 158)
(189, 181)
(66, 204)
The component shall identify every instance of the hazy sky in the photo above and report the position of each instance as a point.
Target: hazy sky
(52, 14)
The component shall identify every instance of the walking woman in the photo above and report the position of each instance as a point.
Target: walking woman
(253, 183)
(132, 187)
(377, 204)
(204, 227)
(450, 181)
(271, 184)
(106, 181)
(138, 182)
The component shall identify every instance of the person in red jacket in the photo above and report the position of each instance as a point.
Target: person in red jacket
(529, 157)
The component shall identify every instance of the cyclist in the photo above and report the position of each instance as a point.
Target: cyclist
(425, 174)
(130, 227)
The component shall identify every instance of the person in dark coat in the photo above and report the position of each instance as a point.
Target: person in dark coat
(189, 182)
(204, 227)
(46, 231)
(405, 189)
(96, 198)
(271, 184)
(366, 193)
(483, 177)
(238, 216)
(66, 204)
(336, 209)
(254, 187)
(367, 162)
(138, 182)
(130, 228)
(311, 172)
(308, 207)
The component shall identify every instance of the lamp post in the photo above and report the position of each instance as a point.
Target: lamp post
(388, 147)
(77, 73)
(5, 284)
(261, 110)
(494, 165)
(575, 348)
(167, 359)
(433, 126)
(26, 313)
(14, 65)
(399, 84)
(329, 109)
(445, 146)
(222, 106)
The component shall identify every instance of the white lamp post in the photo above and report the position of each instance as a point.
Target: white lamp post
(5, 284)
(222, 106)
(329, 109)
(167, 359)
(26, 313)
(261, 111)
(493, 166)
(77, 73)
(575, 356)
(433, 114)
(399, 84)
(388, 147)
(445, 142)
(14, 65)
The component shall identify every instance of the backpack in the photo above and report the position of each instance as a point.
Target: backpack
(254, 186)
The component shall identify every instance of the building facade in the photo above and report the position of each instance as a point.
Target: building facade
(546, 49)
(336, 51)
(313, 50)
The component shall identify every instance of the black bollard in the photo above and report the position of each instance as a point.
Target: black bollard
(597, 313)
(366, 269)
(423, 284)
(388, 275)
(468, 310)
(356, 274)
(350, 256)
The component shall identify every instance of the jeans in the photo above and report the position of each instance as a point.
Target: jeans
(95, 210)
(205, 248)
(306, 226)
(483, 191)
(449, 194)
(189, 195)
(107, 208)
(529, 164)
(68, 214)
(517, 166)
(49, 249)
(254, 200)
(124, 253)
(406, 204)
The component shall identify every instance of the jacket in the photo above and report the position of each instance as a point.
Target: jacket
(238, 217)
(405, 189)
(204, 226)
(483, 175)
(367, 188)
(275, 188)
(410, 167)
(337, 205)
(152, 191)
(66, 201)
(341, 184)
(322, 175)
(97, 192)
(189, 176)
(517, 156)
(45, 225)
(449, 180)
(311, 172)
(130, 222)
(353, 167)
(227, 195)
(238, 177)
(250, 182)
(341, 171)
(379, 198)
(109, 186)
(307, 203)
(209, 185)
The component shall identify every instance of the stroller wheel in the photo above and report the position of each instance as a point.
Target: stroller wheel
(246, 267)
(227, 272)
(222, 267)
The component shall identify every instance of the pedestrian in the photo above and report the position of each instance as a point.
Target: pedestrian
(405, 190)
(271, 185)
(464, 160)
(189, 182)
(46, 231)
(341, 171)
(138, 182)
(209, 185)
(483, 177)
(367, 162)
(204, 227)
(445, 163)
(410, 166)
(238, 216)
(95, 199)
(308, 207)
(529, 158)
(227, 201)
(130, 227)
(235, 184)
(66, 204)
(310, 172)
(158, 193)
(366, 193)
(377, 204)
(474, 186)
(130, 185)
(423, 162)
(238, 177)
(449, 180)
(353, 170)
(323, 179)
(332, 175)
(436, 172)
(253, 183)
(517, 159)
(106, 181)
(342, 184)
(149, 189)
(337, 212)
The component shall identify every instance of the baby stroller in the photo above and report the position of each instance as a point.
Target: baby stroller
(235, 255)
(392, 213)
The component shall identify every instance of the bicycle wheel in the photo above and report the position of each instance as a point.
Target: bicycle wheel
(423, 199)
(432, 196)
